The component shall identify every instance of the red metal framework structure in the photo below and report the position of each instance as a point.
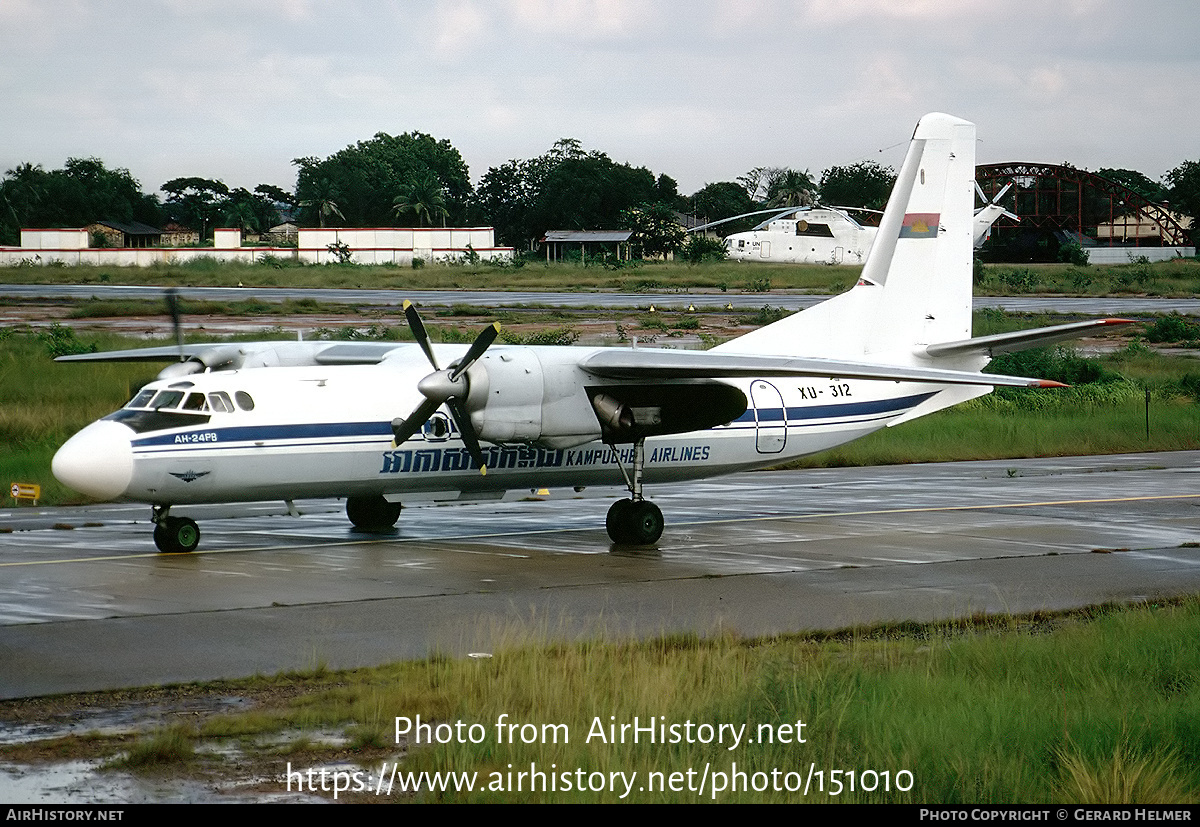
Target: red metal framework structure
(1057, 202)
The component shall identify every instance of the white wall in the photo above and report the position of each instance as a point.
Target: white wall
(225, 238)
(1124, 255)
(382, 245)
(387, 245)
(74, 239)
(135, 257)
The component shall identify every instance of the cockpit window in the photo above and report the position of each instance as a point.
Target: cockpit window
(194, 402)
(175, 407)
(220, 402)
(142, 399)
(167, 399)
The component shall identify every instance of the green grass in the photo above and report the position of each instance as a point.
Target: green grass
(42, 404)
(989, 713)
(1099, 705)
(158, 752)
(1178, 277)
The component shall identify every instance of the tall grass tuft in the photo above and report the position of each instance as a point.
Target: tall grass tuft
(163, 749)
(1123, 778)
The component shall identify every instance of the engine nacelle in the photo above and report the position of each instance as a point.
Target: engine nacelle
(526, 395)
(532, 395)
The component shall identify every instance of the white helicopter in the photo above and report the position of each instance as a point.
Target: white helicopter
(829, 235)
(374, 422)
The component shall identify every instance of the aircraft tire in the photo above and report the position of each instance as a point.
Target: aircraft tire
(617, 521)
(647, 523)
(177, 535)
(372, 513)
(635, 524)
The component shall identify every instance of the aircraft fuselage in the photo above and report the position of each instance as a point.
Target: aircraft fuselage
(283, 433)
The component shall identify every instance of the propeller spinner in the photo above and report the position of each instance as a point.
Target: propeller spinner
(449, 387)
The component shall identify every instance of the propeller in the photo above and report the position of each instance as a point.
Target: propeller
(215, 357)
(173, 308)
(449, 387)
(995, 202)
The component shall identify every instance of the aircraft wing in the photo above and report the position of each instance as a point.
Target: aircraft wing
(315, 353)
(650, 365)
(1021, 339)
(142, 354)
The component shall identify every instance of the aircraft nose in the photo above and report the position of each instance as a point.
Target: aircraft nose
(97, 461)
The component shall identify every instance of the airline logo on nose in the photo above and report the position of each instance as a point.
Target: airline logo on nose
(189, 476)
(920, 225)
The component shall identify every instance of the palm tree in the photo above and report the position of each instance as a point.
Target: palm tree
(322, 201)
(791, 188)
(23, 186)
(425, 200)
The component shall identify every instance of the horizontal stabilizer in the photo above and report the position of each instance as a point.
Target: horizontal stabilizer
(1021, 339)
(684, 365)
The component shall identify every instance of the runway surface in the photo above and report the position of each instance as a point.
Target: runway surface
(503, 298)
(86, 603)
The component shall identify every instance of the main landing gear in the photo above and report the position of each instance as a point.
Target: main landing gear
(372, 514)
(634, 521)
(174, 535)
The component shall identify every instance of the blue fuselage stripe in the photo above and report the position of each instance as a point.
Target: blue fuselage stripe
(349, 433)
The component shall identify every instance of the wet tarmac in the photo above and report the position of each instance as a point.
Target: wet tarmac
(86, 602)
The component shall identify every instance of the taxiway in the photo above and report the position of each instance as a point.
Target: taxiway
(86, 603)
(789, 300)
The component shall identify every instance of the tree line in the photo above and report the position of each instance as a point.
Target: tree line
(415, 179)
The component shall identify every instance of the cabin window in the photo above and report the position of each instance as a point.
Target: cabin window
(810, 229)
(220, 402)
(244, 401)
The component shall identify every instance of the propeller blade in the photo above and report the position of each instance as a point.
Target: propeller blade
(1002, 193)
(979, 190)
(418, 330)
(467, 431)
(403, 429)
(481, 343)
(445, 387)
(173, 309)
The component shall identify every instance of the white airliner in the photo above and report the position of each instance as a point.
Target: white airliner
(828, 235)
(374, 422)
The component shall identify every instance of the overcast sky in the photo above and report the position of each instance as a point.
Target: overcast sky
(702, 91)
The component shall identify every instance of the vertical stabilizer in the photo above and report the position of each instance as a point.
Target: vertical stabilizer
(923, 253)
(915, 287)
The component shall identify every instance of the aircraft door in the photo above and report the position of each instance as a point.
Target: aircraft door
(770, 417)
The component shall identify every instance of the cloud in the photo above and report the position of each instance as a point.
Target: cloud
(223, 89)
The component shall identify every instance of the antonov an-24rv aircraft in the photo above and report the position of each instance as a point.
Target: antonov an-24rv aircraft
(373, 422)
